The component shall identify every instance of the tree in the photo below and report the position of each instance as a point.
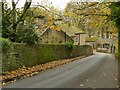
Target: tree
(13, 23)
(91, 16)
(115, 17)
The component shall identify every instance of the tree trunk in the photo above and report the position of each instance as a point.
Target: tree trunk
(14, 16)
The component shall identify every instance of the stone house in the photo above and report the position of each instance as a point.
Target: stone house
(54, 37)
(62, 34)
(91, 41)
(108, 42)
(79, 38)
(77, 34)
(50, 36)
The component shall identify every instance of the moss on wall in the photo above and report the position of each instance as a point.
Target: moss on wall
(25, 55)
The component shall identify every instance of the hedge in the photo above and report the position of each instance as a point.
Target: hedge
(24, 55)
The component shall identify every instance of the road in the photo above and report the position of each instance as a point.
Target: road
(97, 71)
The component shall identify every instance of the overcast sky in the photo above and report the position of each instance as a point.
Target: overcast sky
(59, 4)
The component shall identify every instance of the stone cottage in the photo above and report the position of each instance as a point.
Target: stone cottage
(100, 42)
(59, 33)
(91, 41)
(50, 33)
(77, 34)
(51, 36)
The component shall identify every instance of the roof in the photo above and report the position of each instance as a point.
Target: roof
(105, 40)
(79, 33)
(50, 27)
(72, 30)
(43, 30)
(91, 39)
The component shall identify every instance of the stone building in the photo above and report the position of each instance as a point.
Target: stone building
(50, 36)
(107, 41)
(77, 34)
(91, 41)
(60, 34)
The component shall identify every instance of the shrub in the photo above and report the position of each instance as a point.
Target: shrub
(8, 57)
(69, 45)
(116, 53)
(30, 37)
(5, 43)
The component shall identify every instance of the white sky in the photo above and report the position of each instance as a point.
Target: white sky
(59, 4)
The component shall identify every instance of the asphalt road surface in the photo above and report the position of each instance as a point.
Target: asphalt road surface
(97, 71)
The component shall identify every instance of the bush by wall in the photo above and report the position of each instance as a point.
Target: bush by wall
(69, 45)
(116, 53)
(25, 55)
(8, 58)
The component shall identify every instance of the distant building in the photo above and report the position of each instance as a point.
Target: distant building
(107, 40)
(91, 41)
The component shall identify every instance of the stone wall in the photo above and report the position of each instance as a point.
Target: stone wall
(23, 55)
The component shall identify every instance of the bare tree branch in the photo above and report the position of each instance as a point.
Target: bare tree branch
(13, 8)
(47, 10)
(87, 6)
(26, 7)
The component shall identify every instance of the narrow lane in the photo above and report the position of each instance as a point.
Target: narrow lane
(97, 71)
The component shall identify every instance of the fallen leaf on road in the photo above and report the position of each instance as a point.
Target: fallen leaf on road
(87, 79)
(94, 81)
(31, 71)
(81, 85)
(104, 74)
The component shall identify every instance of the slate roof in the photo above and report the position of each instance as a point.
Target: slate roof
(91, 39)
(42, 30)
(105, 40)
(71, 31)
(100, 40)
